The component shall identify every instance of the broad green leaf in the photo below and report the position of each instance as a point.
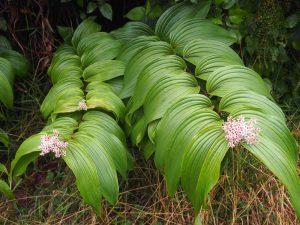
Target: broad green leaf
(4, 42)
(138, 131)
(168, 91)
(132, 30)
(178, 13)
(29, 151)
(275, 147)
(148, 149)
(91, 41)
(206, 65)
(148, 7)
(4, 188)
(110, 144)
(141, 60)
(237, 15)
(227, 4)
(181, 140)
(132, 47)
(104, 70)
(101, 95)
(19, 63)
(65, 125)
(66, 33)
(7, 70)
(82, 164)
(91, 7)
(155, 12)
(4, 139)
(150, 76)
(97, 124)
(152, 130)
(198, 49)
(172, 119)
(176, 132)
(106, 11)
(85, 28)
(65, 65)
(103, 120)
(234, 78)
(192, 29)
(64, 48)
(63, 97)
(136, 14)
(202, 162)
(6, 81)
(116, 84)
(234, 101)
(106, 50)
(104, 165)
(3, 169)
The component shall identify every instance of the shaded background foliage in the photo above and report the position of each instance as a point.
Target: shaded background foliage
(32, 25)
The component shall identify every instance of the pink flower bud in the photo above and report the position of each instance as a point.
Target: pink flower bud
(82, 105)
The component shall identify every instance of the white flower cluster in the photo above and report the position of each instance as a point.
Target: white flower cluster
(237, 130)
(82, 105)
(51, 143)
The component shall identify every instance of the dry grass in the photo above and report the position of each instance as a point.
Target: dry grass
(246, 194)
(253, 196)
(142, 201)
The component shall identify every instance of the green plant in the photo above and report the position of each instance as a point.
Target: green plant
(88, 7)
(12, 64)
(181, 83)
(96, 144)
(189, 142)
(268, 33)
(4, 188)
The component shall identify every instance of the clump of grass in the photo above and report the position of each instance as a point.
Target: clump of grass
(248, 194)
